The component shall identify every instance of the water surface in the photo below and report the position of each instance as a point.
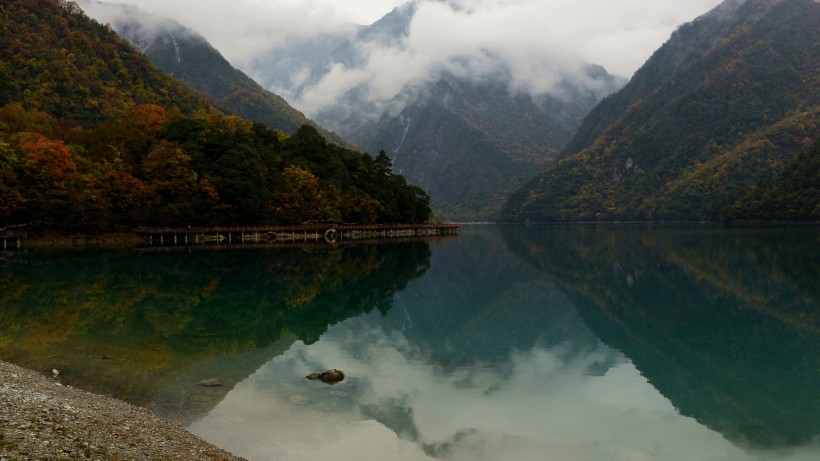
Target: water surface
(566, 343)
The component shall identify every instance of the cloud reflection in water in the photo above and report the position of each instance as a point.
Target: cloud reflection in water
(542, 403)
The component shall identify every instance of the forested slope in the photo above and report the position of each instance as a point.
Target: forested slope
(187, 56)
(93, 137)
(726, 103)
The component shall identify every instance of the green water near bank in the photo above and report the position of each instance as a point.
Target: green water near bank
(577, 342)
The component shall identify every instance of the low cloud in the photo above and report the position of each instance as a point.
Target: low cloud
(536, 44)
(241, 29)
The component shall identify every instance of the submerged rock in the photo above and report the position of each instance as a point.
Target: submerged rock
(331, 376)
(210, 382)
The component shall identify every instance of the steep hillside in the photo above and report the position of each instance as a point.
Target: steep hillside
(791, 195)
(728, 101)
(55, 60)
(93, 137)
(469, 140)
(186, 55)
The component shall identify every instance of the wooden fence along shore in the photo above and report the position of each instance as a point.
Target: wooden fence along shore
(329, 233)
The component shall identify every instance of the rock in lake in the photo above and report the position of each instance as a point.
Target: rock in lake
(331, 376)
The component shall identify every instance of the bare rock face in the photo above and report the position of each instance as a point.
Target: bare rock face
(331, 376)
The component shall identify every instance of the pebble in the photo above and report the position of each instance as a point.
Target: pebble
(39, 420)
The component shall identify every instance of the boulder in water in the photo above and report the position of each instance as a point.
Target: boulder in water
(331, 376)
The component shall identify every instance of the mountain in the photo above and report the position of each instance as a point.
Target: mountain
(471, 144)
(55, 60)
(791, 195)
(469, 140)
(727, 102)
(93, 137)
(186, 55)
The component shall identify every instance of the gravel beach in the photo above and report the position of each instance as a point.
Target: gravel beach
(40, 419)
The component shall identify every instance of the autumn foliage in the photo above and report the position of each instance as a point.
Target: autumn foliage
(149, 168)
(93, 137)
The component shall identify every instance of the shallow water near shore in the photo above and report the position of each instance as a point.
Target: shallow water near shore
(519, 342)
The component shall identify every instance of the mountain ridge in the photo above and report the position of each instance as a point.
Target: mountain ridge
(93, 137)
(757, 83)
(188, 56)
(470, 140)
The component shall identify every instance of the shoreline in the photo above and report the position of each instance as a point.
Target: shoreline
(43, 419)
(49, 240)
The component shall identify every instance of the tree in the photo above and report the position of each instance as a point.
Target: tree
(168, 170)
(301, 198)
(383, 165)
(11, 200)
(47, 159)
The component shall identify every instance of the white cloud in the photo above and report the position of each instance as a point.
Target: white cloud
(540, 42)
(241, 29)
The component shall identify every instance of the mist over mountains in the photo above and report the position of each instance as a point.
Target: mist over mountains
(185, 54)
(471, 109)
(467, 124)
(469, 118)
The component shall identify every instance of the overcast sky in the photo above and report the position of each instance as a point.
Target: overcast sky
(619, 34)
(539, 43)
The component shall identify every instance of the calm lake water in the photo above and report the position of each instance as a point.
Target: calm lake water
(508, 343)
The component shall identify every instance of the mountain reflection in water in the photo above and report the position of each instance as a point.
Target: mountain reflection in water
(570, 343)
(724, 323)
(131, 323)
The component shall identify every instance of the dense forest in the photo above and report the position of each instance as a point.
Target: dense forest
(93, 137)
(722, 108)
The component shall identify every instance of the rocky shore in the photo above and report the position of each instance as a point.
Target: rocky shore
(41, 419)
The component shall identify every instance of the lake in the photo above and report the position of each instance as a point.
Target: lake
(507, 343)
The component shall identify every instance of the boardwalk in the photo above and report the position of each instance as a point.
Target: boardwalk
(12, 239)
(313, 232)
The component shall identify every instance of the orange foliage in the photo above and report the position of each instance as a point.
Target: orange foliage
(50, 156)
(147, 119)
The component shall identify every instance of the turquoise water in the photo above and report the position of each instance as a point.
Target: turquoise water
(518, 343)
